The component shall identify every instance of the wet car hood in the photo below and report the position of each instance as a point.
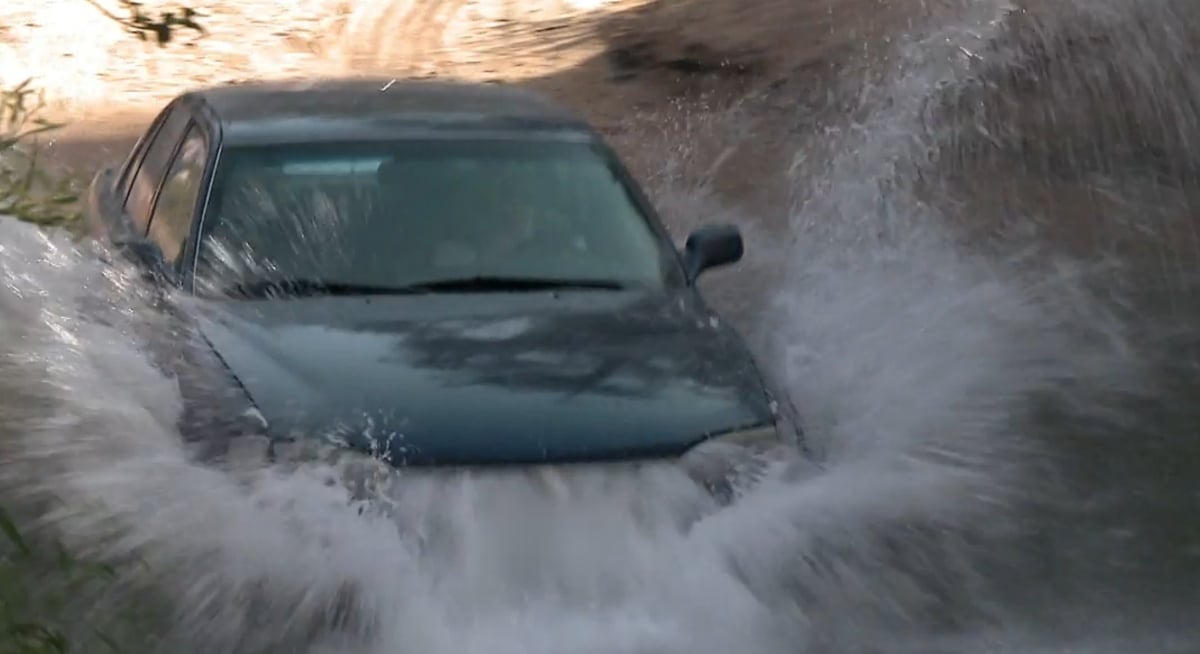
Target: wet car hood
(493, 378)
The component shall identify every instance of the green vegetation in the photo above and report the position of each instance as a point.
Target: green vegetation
(41, 583)
(37, 581)
(27, 190)
(31, 603)
(50, 601)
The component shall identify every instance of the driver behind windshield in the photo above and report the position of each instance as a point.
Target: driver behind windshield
(498, 222)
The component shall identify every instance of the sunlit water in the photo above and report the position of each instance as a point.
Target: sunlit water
(994, 411)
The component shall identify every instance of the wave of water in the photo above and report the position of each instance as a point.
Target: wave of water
(942, 377)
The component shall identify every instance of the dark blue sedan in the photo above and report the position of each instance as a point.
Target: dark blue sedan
(438, 273)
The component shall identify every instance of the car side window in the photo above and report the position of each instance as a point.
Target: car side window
(152, 168)
(171, 220)
(130, 166)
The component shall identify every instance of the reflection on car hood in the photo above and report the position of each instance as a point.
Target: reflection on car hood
(493, 378)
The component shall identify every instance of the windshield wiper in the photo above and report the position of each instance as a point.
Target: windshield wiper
(310, 287)
(501, 284)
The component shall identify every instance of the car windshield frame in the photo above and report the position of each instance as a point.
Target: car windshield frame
(671, 272)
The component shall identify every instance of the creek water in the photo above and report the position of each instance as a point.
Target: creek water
(982, 305)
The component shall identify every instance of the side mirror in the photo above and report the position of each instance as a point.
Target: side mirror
(710, 247)
(147, 256)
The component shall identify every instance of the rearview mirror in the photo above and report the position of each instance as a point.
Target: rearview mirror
(710, 247)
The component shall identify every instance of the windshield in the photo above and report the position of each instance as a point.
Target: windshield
(407, 213)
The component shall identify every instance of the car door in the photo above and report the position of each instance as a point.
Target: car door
(172, 213)
(174, 208)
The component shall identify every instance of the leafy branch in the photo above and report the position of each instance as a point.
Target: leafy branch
(145, 26)
(26, 190)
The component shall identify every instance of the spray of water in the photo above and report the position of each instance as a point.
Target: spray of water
(928, 365)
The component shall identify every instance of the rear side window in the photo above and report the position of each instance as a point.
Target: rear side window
(135, 155)
(152, 168)
(171, 221)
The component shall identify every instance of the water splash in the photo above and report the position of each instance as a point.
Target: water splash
(935, 369)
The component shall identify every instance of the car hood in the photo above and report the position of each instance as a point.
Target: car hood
(493, 378)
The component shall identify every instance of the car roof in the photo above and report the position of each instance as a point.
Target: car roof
(368, 108)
